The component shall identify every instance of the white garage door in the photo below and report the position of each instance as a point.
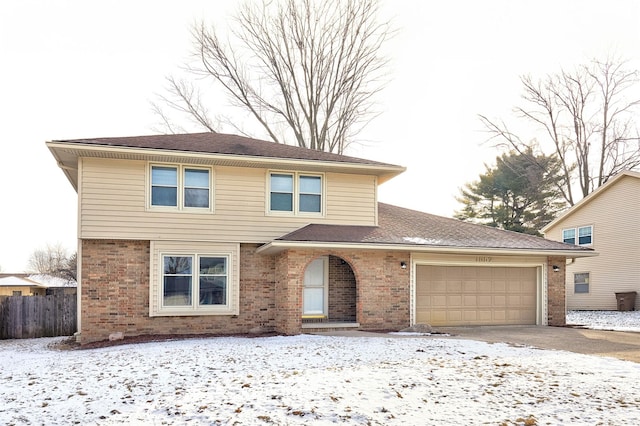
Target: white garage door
(471, 295)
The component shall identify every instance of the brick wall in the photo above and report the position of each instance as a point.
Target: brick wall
(115, 294)
(342, 291)
(382, 292)
(556, 307)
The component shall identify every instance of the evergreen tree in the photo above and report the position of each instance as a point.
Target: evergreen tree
(521, 193)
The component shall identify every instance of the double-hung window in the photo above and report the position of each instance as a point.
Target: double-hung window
(194, 281)
(581, 282)
(296, 193)
(582, 235)
(180, 187)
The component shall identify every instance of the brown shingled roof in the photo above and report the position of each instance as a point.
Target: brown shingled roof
(397, 225)
(220, 143)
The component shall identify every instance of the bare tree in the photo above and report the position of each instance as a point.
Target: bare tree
(184, 97)
(587, 118)
(54, 260)
(306, 71)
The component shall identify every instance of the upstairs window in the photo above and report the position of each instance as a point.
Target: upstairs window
(180, 187)
(310, 194)
(295, 193)
(164, 186)
(281, 193)
(584, 235)
(196, 188)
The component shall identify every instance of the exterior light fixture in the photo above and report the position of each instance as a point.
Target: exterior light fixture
(403, 265)
(556, 268)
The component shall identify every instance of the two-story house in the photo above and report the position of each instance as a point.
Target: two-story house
(214, 233)
(608, 221)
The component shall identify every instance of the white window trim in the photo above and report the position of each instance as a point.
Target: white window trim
(296, 194)
(588, 283)
(180, 207)
(576, 230)
(159, 249)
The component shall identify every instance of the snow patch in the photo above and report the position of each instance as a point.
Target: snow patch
(419, 240)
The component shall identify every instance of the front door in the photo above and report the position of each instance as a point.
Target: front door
(314, 297)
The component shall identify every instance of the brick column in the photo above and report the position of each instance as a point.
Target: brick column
(556, 288)
(288, 294)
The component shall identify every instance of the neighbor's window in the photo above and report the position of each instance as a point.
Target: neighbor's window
(581, 282)
(569, 236)
(194, 281)
(180, 187)
(295, 193)
(584, 233)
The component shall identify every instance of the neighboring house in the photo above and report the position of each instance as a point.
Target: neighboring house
(607, 220)
(213, 233)
(23, 284)
(17, 285)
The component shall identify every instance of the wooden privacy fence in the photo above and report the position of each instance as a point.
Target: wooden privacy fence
(25, 317)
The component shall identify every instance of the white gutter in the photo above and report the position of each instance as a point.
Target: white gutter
(277, 246)
(268, 161)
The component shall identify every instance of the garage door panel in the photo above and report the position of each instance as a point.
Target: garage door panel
(499, 300)
(470, 316)
(485, 286)
(453, 286)
(499, 316)
(484, 316)
(470, 300)
(498, 286)
(484, 300)
(469, 295)
(439, 301)
(454, 301)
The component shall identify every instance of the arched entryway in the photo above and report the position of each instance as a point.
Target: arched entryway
(329, 293)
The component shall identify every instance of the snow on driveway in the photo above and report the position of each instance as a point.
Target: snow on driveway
(313, 380)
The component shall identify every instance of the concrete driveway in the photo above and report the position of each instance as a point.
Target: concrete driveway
(617, 344)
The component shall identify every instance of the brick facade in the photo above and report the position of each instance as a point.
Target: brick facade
(382, 287)
(342, 291)
(368, 287)
(115, 295)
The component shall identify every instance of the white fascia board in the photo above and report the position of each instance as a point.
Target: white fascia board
(385, 171)
(277, 246)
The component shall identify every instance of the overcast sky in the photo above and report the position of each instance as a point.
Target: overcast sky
(76, 69)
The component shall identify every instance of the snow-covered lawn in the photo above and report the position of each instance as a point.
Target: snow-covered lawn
(313, 380)
(606, 320)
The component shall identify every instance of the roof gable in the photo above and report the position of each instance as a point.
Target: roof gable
(591, 197)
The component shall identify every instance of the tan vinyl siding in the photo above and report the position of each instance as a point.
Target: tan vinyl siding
(615, 217)
(113, 204)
